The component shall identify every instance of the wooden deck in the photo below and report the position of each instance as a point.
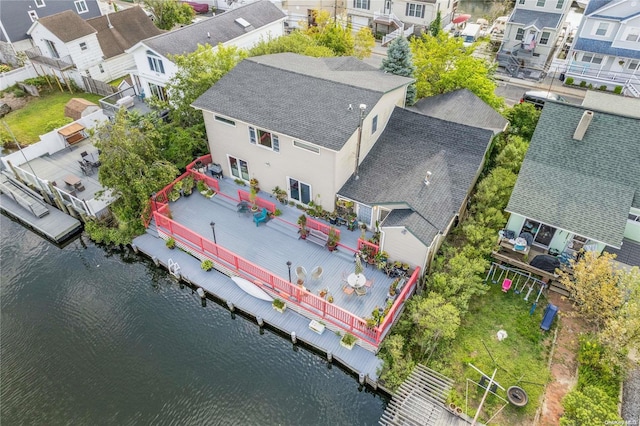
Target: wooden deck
(358, 360)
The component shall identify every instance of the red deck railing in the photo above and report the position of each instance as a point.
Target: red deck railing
(260, 202)
(364, 243)
(319, 226)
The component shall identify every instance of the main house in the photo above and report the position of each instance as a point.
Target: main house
(17, 16)
(579, 185)
(330, 130)
(242, 27)
(606, 51)
(71, 47)
(530, 36)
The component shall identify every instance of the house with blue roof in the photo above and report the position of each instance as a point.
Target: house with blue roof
(530, 36)
(606, 51)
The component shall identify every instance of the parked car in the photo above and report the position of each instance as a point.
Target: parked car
(198, 7)
(539, 97)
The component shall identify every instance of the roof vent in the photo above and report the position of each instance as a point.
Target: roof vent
(208, 34)
(583, 125)
(427, 179)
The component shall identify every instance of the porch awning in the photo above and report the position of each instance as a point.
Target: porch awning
(71, 130)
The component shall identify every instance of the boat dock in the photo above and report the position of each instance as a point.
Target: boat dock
(359, 361)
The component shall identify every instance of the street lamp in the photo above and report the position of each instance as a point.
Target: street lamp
(213, 229)
(289, 266)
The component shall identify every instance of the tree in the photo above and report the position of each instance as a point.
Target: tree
(443, 64)
(512, 155)
(591, 406)
(523, 119)
(435, 27)
(169, 13)
(131, 168)
(331, 34)
(434, 318)
(297, 42)
(399, 61)
(197, 72)
(363, 43)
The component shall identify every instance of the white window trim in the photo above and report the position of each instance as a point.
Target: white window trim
(40, 3)
(83, 46)
(84, 4)
(275, 139)
(33, 15)
(299, 192)
(606, 31)
(374, 125)
(543, 3)
(307, 147)
(224, 120)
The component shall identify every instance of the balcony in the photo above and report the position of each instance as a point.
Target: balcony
(127, 98)
(63, 63)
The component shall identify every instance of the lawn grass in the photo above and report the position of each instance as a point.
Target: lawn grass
(521, 358)
(29, 122)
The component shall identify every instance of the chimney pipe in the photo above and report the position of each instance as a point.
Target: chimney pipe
(583, 125)
(427, 179)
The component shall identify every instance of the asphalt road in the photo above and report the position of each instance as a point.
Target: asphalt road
(512, 92)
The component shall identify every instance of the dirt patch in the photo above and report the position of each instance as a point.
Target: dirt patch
(564, 364)
(13, 101)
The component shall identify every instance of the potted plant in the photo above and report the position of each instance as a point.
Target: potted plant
(187, 185)
(302, 223)
(334, 239)
(171, 243)
(279, 305)
(175, 192)
(206, 265)
(252, 198)
(254, 184)
(281, 194)
(201, 186)
(348, 341)
(393, 287)
(330, 299)
(322, 293)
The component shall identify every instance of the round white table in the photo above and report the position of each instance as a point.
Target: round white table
(356, 281)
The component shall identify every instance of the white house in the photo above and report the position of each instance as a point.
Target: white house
(71, 47)
(530, 36)
(606, 51)
(242, 27)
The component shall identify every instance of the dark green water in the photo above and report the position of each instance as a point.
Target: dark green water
(91, 337)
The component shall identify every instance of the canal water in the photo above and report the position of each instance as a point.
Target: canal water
(92, 336)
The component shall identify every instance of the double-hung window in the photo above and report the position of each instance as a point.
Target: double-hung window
(361, 4)
(520, 34)
(544, 39)
(559, 4)
(633, 35)
(592, 58)
(540, 3)
(415, 10)
(602, 29)
(264, 138)
(81, 6)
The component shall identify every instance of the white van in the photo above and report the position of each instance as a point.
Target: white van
(470, 34)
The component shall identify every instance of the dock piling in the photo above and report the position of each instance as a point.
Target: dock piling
(232, 308)
(260, 321)
(294, 339)
(361, 377)
(329, 357)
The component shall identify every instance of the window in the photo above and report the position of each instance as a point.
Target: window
(590, 57)
(225, 120)
(155, 64)
(634, 65)
(540, 3)
(239, 168)
(544, 38)
(158, 91)
(361, 4)
(33, 15)
(83, 46)
(374, 124)
(264, 138)
(633, 34)
(100, 68)
(40, 3)
(559, 4)
(521, 2)
(634, 217)
(602, 29)
(81, 6)
(415, 10)
(520, 34)
(306, 146)
(299, 191)
(52, 49)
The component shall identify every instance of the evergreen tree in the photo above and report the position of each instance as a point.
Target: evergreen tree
(436, 25)
(399, 62)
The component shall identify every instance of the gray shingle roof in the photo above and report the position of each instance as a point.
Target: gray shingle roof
(595, 5)
(462, 106)
(604, 47)
(585, 187)
(394, 170)
(308, 102)
(221, 29)
(541, 19)
(67, 26)
(128, 26)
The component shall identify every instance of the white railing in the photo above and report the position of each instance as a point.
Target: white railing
(633, 86)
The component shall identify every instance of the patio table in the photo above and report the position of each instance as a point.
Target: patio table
(72, 180)
(356, 281)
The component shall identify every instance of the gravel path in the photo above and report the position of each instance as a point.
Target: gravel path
(631, 399)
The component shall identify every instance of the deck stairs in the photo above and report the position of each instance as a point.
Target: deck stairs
(24, 196)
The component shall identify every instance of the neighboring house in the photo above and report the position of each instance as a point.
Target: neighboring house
(606, 51)
(303, 124)
(579, 185)
(400, 16)
(16, 17)
(94, 48)
(242, 27)
(530, 36)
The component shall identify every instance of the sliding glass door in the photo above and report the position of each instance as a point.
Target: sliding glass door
(299, 191)
(239, 168)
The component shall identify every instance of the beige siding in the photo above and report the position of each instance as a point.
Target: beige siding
(405, 247)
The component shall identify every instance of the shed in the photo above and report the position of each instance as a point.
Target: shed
(77, 108)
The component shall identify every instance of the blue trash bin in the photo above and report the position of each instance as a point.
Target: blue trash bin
(549, 314)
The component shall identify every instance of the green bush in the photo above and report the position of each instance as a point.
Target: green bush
(19, 93)
(4, 68)
(603, 87)
(206, 265)
(569, 81)
(617, 90)
(583, 83)
(590, 86)
(39, 82)
(591, 406)
(56, 124)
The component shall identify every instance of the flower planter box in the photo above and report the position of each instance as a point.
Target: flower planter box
(316, 327)
(349, 347)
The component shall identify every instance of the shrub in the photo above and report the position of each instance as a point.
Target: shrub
(19, 93)
(590, 86)
(170, 243)
(278, 303)
(207, 265)
(603, 87)
(348, 339)
(569, 81)
(617, 90)
(56, 124)
(201, 186)
(4, 68)
(583, 83)
(591, 406)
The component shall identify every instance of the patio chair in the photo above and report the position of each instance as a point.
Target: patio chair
(369, 283)
(348, 289)
(316, 273)
(83, 154)
(243, 207)
(261, 217)
(361, 291)
(301, 273)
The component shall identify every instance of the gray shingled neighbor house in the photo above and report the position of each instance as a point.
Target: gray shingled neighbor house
(579, 185)
(242, 27)
(294, 121)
